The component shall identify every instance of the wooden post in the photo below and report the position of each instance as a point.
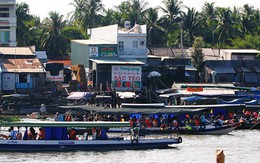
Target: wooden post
(220, 157)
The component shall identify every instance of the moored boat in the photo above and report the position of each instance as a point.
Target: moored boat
(209, 130)
(57, 139)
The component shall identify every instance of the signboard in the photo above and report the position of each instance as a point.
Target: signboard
(191, 89)
(126, 77)
(59, 77)
(95, 51)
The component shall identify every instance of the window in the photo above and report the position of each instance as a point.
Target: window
(135, 44)
(142, 43)
(121, 45)
(4, 15)
(22, 78)
(4, 9)
(4, 36)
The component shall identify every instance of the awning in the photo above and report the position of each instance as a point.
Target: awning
(251, 77)
(187, 74)
(257, 69)
(117, 61)
(224, 70)
(245, 69)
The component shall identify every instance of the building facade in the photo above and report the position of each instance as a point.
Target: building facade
(7, 23)
(114, 57)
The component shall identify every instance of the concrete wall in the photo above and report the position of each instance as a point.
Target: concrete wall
(79, 54)
(106, 33)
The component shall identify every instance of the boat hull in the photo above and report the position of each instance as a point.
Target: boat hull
(68, 145)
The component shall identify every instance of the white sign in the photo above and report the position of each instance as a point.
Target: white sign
(93, 51)
(126, 77)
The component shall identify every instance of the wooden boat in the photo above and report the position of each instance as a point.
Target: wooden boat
(60, 142)
(209, 130)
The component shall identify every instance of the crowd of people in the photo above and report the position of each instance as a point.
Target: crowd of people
(164, 121)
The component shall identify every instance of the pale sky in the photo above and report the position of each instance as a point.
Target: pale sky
(43, 7)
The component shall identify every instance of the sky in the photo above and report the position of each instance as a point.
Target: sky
(43, 7)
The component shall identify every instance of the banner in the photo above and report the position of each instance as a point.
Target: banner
(126, 77)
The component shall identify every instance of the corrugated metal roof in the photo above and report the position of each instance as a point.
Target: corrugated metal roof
(240, 51)
(66, 63)
(22, 65)
(224, 70)
(93, 42)
(117, 61)
(16, 51)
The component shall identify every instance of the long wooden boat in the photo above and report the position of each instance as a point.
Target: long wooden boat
(209, 130)
(61, 143)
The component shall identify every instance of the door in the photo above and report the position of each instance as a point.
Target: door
(8, 81)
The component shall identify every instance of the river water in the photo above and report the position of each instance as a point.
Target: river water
(239, 146)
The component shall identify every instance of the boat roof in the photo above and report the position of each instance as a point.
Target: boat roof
(64, 124)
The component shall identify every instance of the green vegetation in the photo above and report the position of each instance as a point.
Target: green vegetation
(9, 119)
(217, 26)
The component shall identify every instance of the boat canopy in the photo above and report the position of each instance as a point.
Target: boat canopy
(65, 124)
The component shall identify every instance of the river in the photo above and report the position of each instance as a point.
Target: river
(239, 146)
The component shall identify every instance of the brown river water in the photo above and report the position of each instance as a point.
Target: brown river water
(240, 146)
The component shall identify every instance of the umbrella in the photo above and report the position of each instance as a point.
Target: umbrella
(153, 74)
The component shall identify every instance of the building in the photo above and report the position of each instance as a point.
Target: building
(113, 55)
(7, 23)
(21, 71)
(239, 66)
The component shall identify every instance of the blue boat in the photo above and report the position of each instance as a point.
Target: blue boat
(57, 139)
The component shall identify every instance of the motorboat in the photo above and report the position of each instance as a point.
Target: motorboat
(57, 139)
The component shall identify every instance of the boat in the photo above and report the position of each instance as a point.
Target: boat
(57, 138)
(209, 130)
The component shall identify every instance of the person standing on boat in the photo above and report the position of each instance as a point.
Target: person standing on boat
(43, 109)
(57, 117)
(202, 121)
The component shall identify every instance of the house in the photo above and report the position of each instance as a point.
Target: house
(22, 75)
(7, 23)
(113, 55)
(21, 70)
(240, 66)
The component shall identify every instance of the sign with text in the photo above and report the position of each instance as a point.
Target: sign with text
(126, 77)
(102, 51)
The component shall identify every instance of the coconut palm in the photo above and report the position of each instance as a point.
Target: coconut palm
(191, 24)
(22, 13)
(133, 11)
(225, 27)
(155, 32)
(53, 39)
(208, 16)
(87, 13)
(172, 13)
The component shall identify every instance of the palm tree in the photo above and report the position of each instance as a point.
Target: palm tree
(108, 17)
(22, 13)
(155, 32)
(208, 16)
(133, 11)
(87, 13)
(225, 26)
(172, 13)
(191, 24)
(247, 19)
(53, 39)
